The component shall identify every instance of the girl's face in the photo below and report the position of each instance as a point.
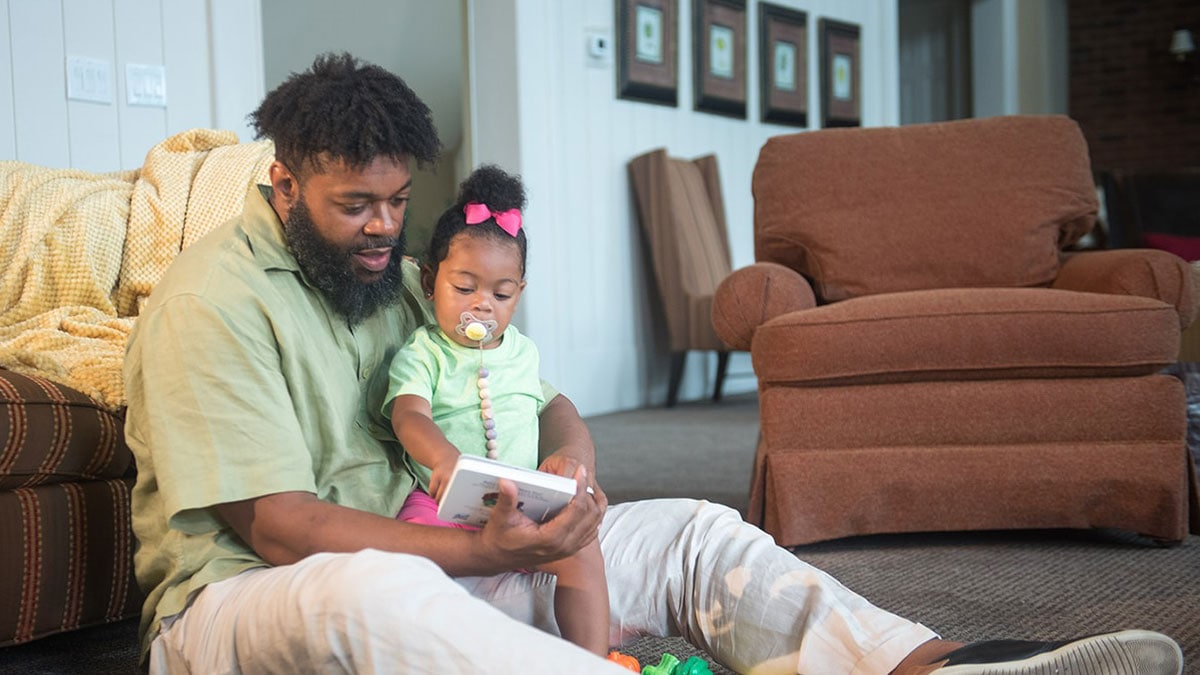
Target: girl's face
(479, 275)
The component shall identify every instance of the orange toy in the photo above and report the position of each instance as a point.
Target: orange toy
(625, 661)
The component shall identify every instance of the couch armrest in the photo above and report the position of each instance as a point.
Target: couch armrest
(1146, 272)
(753, 295)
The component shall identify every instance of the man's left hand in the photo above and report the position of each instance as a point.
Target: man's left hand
(564, 463)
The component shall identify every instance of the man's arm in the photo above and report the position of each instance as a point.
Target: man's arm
(564, 443)
(286, 527)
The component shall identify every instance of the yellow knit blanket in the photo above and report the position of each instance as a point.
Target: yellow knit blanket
(82, 251)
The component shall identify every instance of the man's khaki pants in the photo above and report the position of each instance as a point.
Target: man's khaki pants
(675, 568)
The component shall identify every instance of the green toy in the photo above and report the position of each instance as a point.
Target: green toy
(693, 666)
(664, 667)
(670, 665)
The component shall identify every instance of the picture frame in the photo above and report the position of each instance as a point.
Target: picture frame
(647, 50)
(783, 64)
(841, 74)
(719, 56)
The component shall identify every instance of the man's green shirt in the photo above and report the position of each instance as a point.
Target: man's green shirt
(244, 381)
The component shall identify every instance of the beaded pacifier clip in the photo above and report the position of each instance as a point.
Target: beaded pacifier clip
(482, 332)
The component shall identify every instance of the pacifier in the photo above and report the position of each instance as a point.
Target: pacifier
(476, 330)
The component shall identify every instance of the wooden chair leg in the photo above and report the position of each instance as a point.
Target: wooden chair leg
(677, 360)
(722, 364)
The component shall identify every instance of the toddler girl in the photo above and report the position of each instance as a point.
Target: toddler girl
(470, 383)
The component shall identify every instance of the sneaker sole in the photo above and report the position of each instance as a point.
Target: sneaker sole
(1129, 652)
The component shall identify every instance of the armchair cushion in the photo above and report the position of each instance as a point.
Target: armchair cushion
(972, 203)
(54, 434)
(964, 334)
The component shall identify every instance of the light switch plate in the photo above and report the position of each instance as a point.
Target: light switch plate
(146, 85)
(89, 79)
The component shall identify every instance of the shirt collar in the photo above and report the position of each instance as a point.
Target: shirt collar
(264, 231)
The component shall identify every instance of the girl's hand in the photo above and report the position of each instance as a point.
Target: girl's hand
(565, 464)
(440, 474)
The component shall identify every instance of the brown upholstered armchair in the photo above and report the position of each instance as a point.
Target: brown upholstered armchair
(928, 356)
(682, 216)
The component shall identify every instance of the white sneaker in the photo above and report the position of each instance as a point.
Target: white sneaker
(1127, 652)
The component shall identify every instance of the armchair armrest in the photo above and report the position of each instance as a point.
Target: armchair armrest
(753, 295)
(1145, 272)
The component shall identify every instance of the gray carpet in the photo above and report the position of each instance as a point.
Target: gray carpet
(1038, 585)
(966, 586)
(1031, 585)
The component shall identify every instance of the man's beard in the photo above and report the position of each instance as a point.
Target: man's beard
(329, 268)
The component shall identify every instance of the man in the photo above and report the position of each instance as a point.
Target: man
(268, 484)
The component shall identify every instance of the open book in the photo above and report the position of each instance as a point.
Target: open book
(473, 491)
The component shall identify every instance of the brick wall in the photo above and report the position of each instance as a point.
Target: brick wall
(1138, 106)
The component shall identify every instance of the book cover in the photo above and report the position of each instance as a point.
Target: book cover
(473, 491)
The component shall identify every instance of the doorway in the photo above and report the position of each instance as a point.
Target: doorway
(935, 60)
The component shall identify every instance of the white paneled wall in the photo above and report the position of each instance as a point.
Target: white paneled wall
(88, 30)
(204, 87)
(235, 41)
(586, 303)
(139, 40)
(8, 137)
(39, 84)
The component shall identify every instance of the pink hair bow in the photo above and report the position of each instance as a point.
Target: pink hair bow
(509, 221)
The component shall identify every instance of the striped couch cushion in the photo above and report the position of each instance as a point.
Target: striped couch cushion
(66, 547)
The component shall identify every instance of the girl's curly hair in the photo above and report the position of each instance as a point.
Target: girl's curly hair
(489, 185)
(349, 110)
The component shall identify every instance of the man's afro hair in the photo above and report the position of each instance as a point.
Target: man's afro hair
(348, 110)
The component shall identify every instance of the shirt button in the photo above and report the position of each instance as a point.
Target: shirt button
(364, 373)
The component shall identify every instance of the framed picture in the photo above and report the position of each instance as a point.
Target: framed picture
(783, 64)
(719, 55)
(646, 50)
(841, 75)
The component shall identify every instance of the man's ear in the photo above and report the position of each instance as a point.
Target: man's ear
(427, 278)
(285, 188)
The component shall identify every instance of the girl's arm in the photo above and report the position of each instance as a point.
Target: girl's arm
(562, 433)
(412, 421)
